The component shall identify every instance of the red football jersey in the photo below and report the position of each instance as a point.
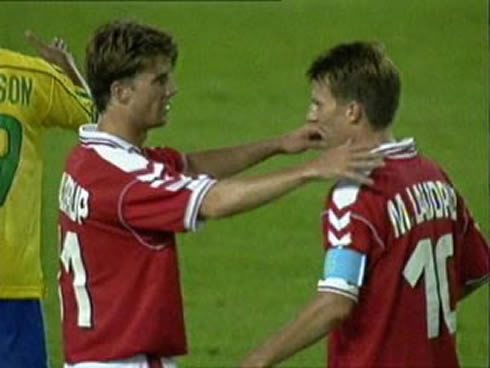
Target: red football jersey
(422, 247)
(119, 209)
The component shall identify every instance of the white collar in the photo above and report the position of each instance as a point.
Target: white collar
(399, 149)
(89, 134)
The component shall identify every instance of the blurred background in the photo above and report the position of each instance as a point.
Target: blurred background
(241, 77)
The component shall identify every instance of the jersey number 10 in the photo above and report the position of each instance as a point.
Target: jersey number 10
(422, 261)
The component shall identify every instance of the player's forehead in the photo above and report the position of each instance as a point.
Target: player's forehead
(156, 65)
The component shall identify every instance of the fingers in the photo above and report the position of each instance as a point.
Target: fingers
(366, 165)
(366, 155)
(41, 46)
(318, 144)
(354, 165)
(363, 147)
(59, 43)
(308, 136)
(361, 165)
(358, 177)
(316, 136)
(315, 132)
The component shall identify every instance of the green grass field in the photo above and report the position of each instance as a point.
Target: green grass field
(241, 78)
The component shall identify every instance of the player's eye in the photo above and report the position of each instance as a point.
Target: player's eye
(315, 104)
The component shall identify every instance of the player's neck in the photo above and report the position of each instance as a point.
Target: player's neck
(120, 127)
(376, 138)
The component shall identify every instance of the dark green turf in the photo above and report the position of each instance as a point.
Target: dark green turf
(241, 77)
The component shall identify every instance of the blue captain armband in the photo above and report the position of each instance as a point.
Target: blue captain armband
(343, 272)
(345, 264)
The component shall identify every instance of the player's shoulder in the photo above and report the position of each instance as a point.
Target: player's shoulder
(399, 156)
(431, 165)
(38, 73)
(130, 162)
(166, 155)
(161, 152)
(349, 205)
(111, 150)
(345, 193)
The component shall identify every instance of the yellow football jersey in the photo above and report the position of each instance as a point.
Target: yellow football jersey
(34, 95)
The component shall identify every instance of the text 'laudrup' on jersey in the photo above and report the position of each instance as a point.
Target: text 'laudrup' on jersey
(73, 199)
(427, 201)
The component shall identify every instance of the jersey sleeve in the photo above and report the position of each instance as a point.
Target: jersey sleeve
(476, 251)
(69, 106)
(349, 235)
(163, 200)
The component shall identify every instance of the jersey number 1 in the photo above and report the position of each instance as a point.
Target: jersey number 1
(71, 257)
(423, 261)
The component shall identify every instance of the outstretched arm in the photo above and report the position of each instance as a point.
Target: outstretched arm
(317, 319)
(235, 195)
(223, 163)
(57, 53)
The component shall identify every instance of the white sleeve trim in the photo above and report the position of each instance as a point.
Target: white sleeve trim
(479, 281)
(199, 189)
(339, 286)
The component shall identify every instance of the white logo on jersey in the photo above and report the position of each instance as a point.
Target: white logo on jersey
(73, 199)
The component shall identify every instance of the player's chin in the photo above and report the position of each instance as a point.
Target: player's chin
(162, 121)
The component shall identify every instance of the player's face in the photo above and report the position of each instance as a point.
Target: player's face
(152, 90)
(331, 114)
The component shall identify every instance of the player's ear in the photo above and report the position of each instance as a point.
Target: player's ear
(121, 92)
(354, 112)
